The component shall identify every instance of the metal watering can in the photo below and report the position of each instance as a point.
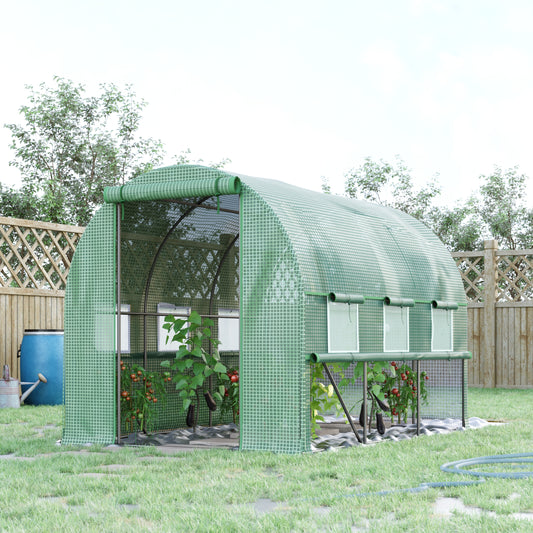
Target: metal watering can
(9, 389)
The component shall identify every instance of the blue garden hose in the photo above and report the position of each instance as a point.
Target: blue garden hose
(457, 467)
(518, 459)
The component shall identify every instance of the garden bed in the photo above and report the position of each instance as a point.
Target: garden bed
(333, 435)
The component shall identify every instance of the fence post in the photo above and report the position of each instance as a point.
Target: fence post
(489, 314)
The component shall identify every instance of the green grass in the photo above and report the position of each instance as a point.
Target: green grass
(49, 488)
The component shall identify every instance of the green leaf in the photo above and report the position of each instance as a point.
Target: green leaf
(197, 381)
(223, 377)
(208, 371)
(165, 364)
(182, 383)
(208, 322)
(189, 363)
(220, 368)
(358, 371)
(222, 389)
(180, 365)
(195, 319)
(376, 389)
(198, 368)
(217, 396)
(186, 403)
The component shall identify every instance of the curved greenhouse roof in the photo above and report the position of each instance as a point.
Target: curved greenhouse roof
(340, 244)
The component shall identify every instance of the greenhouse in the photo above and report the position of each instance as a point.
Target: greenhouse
(291, 279)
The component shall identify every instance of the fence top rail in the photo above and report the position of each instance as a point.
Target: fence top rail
(527, 251)
(41, 225)
(468, 254)
(499, 253)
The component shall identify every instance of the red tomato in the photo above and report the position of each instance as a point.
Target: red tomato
(234, 378)
(124, 393)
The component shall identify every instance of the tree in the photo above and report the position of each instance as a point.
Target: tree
(16, 204)
(390, 184)
(502, 208)
(496, 211)
(185, 158)
(71, 146)
(459, 227)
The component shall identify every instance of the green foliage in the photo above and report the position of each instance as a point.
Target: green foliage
(498, 210)
(185, 158)
(390, 184)
(70, 146)
(230, 394)
(197, 359)
(17, 204)
(139, 392)
(502, 208)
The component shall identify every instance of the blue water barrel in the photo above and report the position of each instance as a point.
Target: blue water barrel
(41, 351)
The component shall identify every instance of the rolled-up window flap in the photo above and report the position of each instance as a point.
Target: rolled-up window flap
(399, 302)
(340, 297)
(439, 304)
(175, 189)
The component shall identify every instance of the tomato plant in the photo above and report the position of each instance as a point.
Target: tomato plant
(230, 401)
(140, 391)
(400, 389)
(193, 363)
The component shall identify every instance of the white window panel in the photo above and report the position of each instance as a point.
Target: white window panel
(105, 323)
(169, 309)
(343, 327)
(396, 329)
(441, 330)
(228, 330)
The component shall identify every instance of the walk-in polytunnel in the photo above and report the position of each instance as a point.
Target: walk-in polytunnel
(291, 279)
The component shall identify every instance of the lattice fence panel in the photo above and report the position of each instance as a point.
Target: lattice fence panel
(472, 269)
(36, 255)
(514, 282)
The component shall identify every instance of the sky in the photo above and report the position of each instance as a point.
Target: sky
(296, 90)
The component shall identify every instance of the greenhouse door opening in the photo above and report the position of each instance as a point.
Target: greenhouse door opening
(174, 257)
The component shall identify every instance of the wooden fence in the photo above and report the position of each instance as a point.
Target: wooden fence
(499, 289)
(34, 262)
(35, 258)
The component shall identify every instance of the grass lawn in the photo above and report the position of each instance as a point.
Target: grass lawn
(49, 488)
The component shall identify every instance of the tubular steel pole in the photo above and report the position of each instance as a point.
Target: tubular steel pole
(463, 390)
(337, 392)
(417, 365)
(365, 402)
(118, 336)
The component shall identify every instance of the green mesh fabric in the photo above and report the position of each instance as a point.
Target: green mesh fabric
(193, 239)
(275, 375)
(173, 189)
(89, 362)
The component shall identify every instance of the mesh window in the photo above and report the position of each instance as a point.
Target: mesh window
(396, 329)
(343, 330)
(442, 330)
